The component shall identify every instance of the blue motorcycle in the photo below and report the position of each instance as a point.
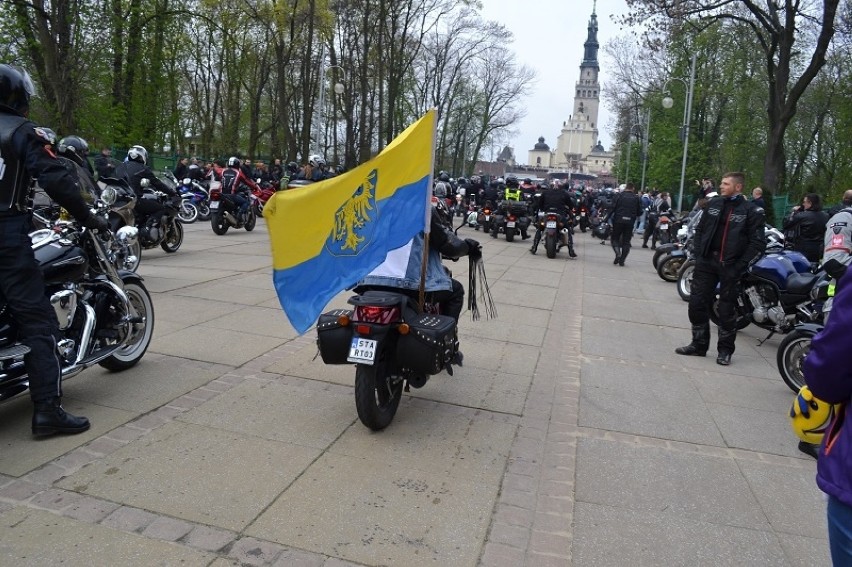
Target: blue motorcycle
(195, 201)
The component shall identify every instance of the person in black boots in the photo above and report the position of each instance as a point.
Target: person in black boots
(560, 200)
(27, 153)
(728, 239)
(626, 208)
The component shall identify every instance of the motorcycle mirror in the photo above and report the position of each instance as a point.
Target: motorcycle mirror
(145, 183)
(108, 195)
(187, 181)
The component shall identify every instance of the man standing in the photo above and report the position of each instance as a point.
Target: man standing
(103, 165)
(757, 197)
(728, 239)
(626, 208)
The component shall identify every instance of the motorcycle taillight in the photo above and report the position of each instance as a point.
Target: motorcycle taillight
(215, 195)
(512, 218)
(552, 217)
(374, 314)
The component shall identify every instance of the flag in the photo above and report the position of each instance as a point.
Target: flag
(328, 235)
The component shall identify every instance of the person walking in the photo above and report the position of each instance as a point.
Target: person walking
(728, 239)
(626, 207)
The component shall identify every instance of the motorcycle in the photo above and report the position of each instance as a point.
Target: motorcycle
(263, 193)
(105, 315)
(225, 213)
(583, 218)
(165, 231)
(775, 294)
(392, 345)
(512, 218)
(551, 226)
(485, 217)
(196, 201)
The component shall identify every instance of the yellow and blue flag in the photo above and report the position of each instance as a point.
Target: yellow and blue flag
(328, 235)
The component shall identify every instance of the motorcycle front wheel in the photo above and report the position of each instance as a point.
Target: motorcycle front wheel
(251, 222)
(377, 395)
(187, 212)
(791, 355)
(668, 267)
(203, 211)
(684, 279)
(174, 237)
(140, 338)
(218, 223)
(664, 249)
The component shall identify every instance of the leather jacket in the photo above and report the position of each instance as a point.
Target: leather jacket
(626, 207)
(809, 224)
(27, 154)
(134, 172)
(744, 241)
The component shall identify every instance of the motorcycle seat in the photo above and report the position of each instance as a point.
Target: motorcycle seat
(800, 284)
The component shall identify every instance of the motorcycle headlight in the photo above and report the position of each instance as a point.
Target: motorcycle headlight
(109, 195)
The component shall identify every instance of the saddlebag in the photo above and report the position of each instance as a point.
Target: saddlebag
(430, 344)
(333, 339)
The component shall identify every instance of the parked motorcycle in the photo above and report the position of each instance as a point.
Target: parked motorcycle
(225, 212)
(105, 315)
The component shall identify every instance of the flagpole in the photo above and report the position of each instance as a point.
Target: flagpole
(427, 218)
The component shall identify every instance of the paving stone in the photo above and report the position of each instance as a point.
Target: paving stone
(91, 510)
(129, 519)
(250, 551)
(209, 538)
(168, 529)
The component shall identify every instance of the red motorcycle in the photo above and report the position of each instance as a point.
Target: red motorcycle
(263, 193)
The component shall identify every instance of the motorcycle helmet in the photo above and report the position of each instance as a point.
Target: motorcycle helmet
(316, 161)
(74, 148)
(47, 134)
(475, 180)
(293, 167)
(810, 417)
(444, 176)
(138, 153)
(16, 89)
(234, 162)
(512, 182)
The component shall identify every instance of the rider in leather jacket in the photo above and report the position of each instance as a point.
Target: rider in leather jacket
(561, 200)
(134, 170)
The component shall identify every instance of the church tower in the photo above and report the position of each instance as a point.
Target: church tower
(579, 135)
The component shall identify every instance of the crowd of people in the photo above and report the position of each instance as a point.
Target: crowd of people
(276, 173)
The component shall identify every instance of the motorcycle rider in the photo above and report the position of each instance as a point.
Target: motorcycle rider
(660, 206)
(728, 239)
(400, 271)
(133, 170)
(838, 241)
(27, 154)
(626, 208)
(511, 194)
(236, 183)
(557, 198)
(73, 150)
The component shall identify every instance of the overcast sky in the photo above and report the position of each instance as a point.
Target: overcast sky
(549, 37)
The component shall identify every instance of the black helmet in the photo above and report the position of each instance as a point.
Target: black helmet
(293, 167)
(512, 181)
(444, 176)
(16, 88)
(138, 153)
(475, 179)
(74, 148)
(234, 162)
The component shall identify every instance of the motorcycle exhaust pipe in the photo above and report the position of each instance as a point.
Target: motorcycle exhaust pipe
(230, 218)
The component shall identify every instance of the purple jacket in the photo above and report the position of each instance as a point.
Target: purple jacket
(828, 373)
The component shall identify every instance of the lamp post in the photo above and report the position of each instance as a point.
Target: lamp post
(321, 115)
(687, 112)
(645, 146)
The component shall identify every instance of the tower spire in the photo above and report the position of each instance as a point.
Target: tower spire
(590, 56)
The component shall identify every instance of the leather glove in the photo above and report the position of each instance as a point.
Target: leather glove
(474, 249)
(95, 222)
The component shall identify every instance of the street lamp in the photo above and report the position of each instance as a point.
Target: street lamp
(321, 115)
(687, 112)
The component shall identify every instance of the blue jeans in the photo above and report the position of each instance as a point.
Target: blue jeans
(839, 531)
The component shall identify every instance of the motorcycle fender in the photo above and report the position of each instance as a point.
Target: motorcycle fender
(128, 276)
(677, 253)
(809, 328)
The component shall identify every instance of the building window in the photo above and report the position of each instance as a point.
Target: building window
(538, 161)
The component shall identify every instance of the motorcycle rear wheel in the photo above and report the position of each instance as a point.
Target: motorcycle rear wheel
(791, 354)
(663, 249)
(510, 234)
(684, 279)
(377, 395)
(133, 352)
(486, 226)
(187, 212)
(550, 246)
(174, 238)
(668, 267)
(219, 224)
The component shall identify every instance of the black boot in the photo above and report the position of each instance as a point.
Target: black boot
(700, 341)
(624, 253)
(571, 252)
(49, 418)
(725, 346)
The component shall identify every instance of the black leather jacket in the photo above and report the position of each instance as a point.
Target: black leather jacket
(134, 172)
(809, 224)
(26, 154)
(558, 199)
(626, 207)
(744, 241)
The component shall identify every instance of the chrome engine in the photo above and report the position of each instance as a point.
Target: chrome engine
(764, 309)
(65, 305)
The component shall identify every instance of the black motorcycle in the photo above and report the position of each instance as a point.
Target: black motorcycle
(166, 230)
(225, 212)
(105, 315)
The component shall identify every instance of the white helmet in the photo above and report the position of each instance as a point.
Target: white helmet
(316, 160)
(138, 153)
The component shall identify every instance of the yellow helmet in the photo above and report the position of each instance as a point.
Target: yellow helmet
(810, 417)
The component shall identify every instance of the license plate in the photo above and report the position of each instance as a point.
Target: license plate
(510, 224)
(582, 214)
(664, 226)
(577, 217)
(362, 351)
(214, 204)
(550, 224)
